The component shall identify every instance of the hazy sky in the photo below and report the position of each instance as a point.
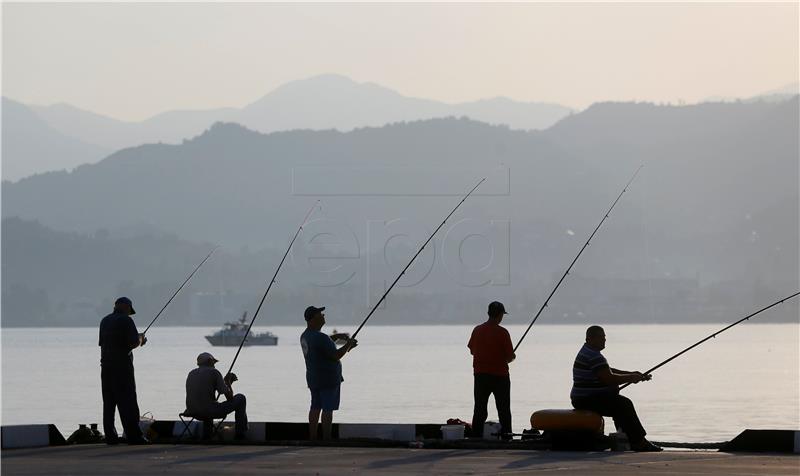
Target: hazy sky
(132, 61)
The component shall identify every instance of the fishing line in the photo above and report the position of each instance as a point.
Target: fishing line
(179, 289)
(576, 258)
(414, 257)
(271, 282)
(715, 335)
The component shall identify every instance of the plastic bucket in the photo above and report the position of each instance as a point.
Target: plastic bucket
(452, 432)
(491, 431)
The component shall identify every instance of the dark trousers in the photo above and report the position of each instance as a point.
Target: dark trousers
(238, 405)
(119, 392)
(619, 408)
(485, 385)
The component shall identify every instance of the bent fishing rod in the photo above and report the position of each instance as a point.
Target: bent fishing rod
(179, 289)
(271, 282)
(714, 335)
(576, 259)
(413, 258)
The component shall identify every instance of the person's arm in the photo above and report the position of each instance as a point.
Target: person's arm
(341, 351)
(629, 373)
(134, 338)
(608, 376)
(469, 344)
(223, 386)
(325, 346)
(509, 348)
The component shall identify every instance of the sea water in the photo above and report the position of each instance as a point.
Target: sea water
(744, 378)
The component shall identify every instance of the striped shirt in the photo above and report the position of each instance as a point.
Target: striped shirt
(584, 374)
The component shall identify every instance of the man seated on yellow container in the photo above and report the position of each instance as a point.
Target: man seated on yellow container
(595, 387)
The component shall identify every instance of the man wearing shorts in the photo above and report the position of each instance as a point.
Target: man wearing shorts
(323, 371)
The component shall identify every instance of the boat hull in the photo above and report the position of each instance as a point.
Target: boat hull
(234, 341)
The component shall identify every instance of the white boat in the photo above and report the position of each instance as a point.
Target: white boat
(233, 332)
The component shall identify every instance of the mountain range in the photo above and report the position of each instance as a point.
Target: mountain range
(317, 103)
(30, 145)
(715, 206)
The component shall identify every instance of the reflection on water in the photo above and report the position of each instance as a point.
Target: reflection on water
(745, 378)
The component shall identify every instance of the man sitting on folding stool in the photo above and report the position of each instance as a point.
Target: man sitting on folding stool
(201, 401)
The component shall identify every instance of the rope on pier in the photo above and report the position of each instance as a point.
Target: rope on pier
(699, 446)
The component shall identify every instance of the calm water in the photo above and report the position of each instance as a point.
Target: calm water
(746, 378)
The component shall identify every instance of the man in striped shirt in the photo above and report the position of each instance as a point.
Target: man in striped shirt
(595, 387)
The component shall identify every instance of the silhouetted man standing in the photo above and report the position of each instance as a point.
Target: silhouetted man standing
(595, 387)
(490, 345)
(323, 371)
(118, 338)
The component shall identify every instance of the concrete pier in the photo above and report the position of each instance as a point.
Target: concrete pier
(259, 460)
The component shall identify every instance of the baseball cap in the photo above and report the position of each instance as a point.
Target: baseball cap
(124, 300)
(206, 358)
(312, 311)
(496, 307)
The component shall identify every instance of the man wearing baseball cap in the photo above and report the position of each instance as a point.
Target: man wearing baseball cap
(118, 338)
(323, 371)
(202, 384)
(492, 351)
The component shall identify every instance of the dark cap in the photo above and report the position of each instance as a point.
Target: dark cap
(312, 311)
(124, 300)
(496, 307)
(206, 359)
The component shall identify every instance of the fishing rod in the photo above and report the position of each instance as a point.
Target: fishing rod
(179, 289)
(413, 258)
(271, 282)
(576, 259)
(714, 335)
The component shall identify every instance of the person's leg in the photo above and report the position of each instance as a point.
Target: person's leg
(481, 391)
(128, 407)
(330, 402)
(109, 406)
(208, 427)
(240, 406)
(625, 417)
(591, 404)
(502, 400)
(313, 423)
(313, 415)
(620, 409)
(327, 424)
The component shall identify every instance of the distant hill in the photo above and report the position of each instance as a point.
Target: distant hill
(53, 278)
(337, 102)
(318, 103)
(32, 146)
(708, 230)
(707, 166)
(57, 278)
(715, 205)
(780, 94)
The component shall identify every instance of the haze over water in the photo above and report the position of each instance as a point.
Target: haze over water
(745, 378)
